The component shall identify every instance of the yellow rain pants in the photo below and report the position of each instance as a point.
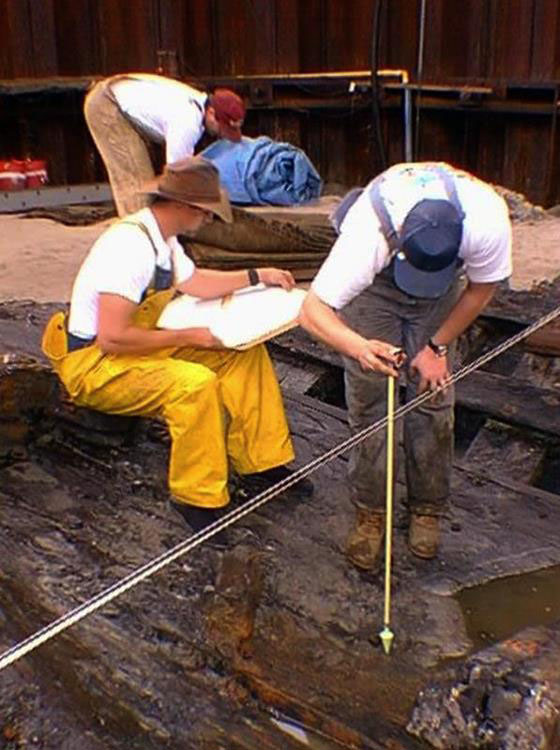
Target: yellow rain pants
(217, 404)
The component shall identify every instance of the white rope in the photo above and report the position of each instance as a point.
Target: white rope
(104, 597)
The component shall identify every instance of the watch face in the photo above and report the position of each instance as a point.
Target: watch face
(439, 349)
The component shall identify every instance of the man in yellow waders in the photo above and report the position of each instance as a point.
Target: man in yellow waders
(218, 404)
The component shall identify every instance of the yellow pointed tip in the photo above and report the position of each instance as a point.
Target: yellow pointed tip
(386, 636)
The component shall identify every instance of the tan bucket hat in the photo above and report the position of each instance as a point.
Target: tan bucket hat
(194, 181)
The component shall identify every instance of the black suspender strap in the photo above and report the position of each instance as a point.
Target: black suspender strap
(144, 229)
(387, 227)
(198, 105)
(338, 215)
(450, 186)
(162, 278)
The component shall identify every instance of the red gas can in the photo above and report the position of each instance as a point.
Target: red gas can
(35, 173)
(12, 174)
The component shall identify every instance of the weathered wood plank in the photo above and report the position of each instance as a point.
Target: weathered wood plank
(281, 613)
(499, 451)
(546, 340)
(299, 379)
(511, 401)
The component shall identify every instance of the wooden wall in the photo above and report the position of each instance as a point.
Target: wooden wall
(511, 46)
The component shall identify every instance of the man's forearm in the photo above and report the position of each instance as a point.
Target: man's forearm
(135, 340)
(207, 283)
(473, 300)
(323, 323)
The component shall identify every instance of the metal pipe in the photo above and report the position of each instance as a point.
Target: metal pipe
(375, 106)
(407, 106)
(420, 72)
(407, 97)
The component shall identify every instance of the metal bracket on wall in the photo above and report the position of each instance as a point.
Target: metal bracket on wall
(260, 93)
(17, 201)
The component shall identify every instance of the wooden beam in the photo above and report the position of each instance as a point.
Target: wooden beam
(511, 401)
(505, 399)
(546, 340)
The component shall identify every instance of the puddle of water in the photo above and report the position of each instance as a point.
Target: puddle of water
(495, 611)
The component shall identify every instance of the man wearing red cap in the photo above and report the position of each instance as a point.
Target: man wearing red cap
(127, 111)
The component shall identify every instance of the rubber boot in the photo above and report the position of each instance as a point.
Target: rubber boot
(199, 518)
(262, 480)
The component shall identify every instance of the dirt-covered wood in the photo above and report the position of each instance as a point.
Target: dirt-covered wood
(207, 652)
(505, 697)
(546, 340)
(510, 400)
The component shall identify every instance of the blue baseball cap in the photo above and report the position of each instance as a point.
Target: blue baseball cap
(430, 238)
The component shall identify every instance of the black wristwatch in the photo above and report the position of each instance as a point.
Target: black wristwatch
(253, 276)
(440, 350)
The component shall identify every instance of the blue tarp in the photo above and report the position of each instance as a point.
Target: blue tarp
(261, 171)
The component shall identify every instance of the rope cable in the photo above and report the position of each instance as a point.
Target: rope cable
(120, 587)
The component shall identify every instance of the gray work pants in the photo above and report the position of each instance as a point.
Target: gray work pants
(124, 151)
(384, 312)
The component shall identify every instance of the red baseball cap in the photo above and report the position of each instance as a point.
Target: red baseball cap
(230, 112)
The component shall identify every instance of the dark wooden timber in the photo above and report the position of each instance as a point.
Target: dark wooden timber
(546, 340)
(504, 398)
(278, 626)
(511, 401)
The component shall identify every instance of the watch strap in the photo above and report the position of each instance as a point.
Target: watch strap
(440, 350)
(253, 276)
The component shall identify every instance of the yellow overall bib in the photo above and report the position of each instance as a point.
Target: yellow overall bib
(217, 404)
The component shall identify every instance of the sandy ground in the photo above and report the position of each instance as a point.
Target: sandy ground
(39, 258)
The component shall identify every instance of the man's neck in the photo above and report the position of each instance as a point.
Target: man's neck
(165, 220)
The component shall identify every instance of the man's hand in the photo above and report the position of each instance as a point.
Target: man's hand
(276, 277)
(199, 338)
(380, 357)
(432, 369)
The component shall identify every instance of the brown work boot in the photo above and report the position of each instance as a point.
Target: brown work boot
(363, 546)
(423, 536)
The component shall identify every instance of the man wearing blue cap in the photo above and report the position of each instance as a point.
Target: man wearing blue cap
(419, 254)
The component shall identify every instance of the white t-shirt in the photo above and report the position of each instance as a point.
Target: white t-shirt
(122, 262)
(168, 111)
(360, 251)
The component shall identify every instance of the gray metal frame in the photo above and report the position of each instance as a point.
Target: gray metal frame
(17, 201)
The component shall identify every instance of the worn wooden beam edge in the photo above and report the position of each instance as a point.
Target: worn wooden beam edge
(506, 399)
(517, 487)
(270, 690)
(546, 340)
(460, 465)
(319, 722)
(511, 401)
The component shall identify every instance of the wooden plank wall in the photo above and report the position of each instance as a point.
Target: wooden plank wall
(493, 42)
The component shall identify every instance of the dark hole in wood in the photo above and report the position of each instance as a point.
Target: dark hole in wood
(330, 390)
(330, 387)
(549, 478)
(506, 363)
(467, 424)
